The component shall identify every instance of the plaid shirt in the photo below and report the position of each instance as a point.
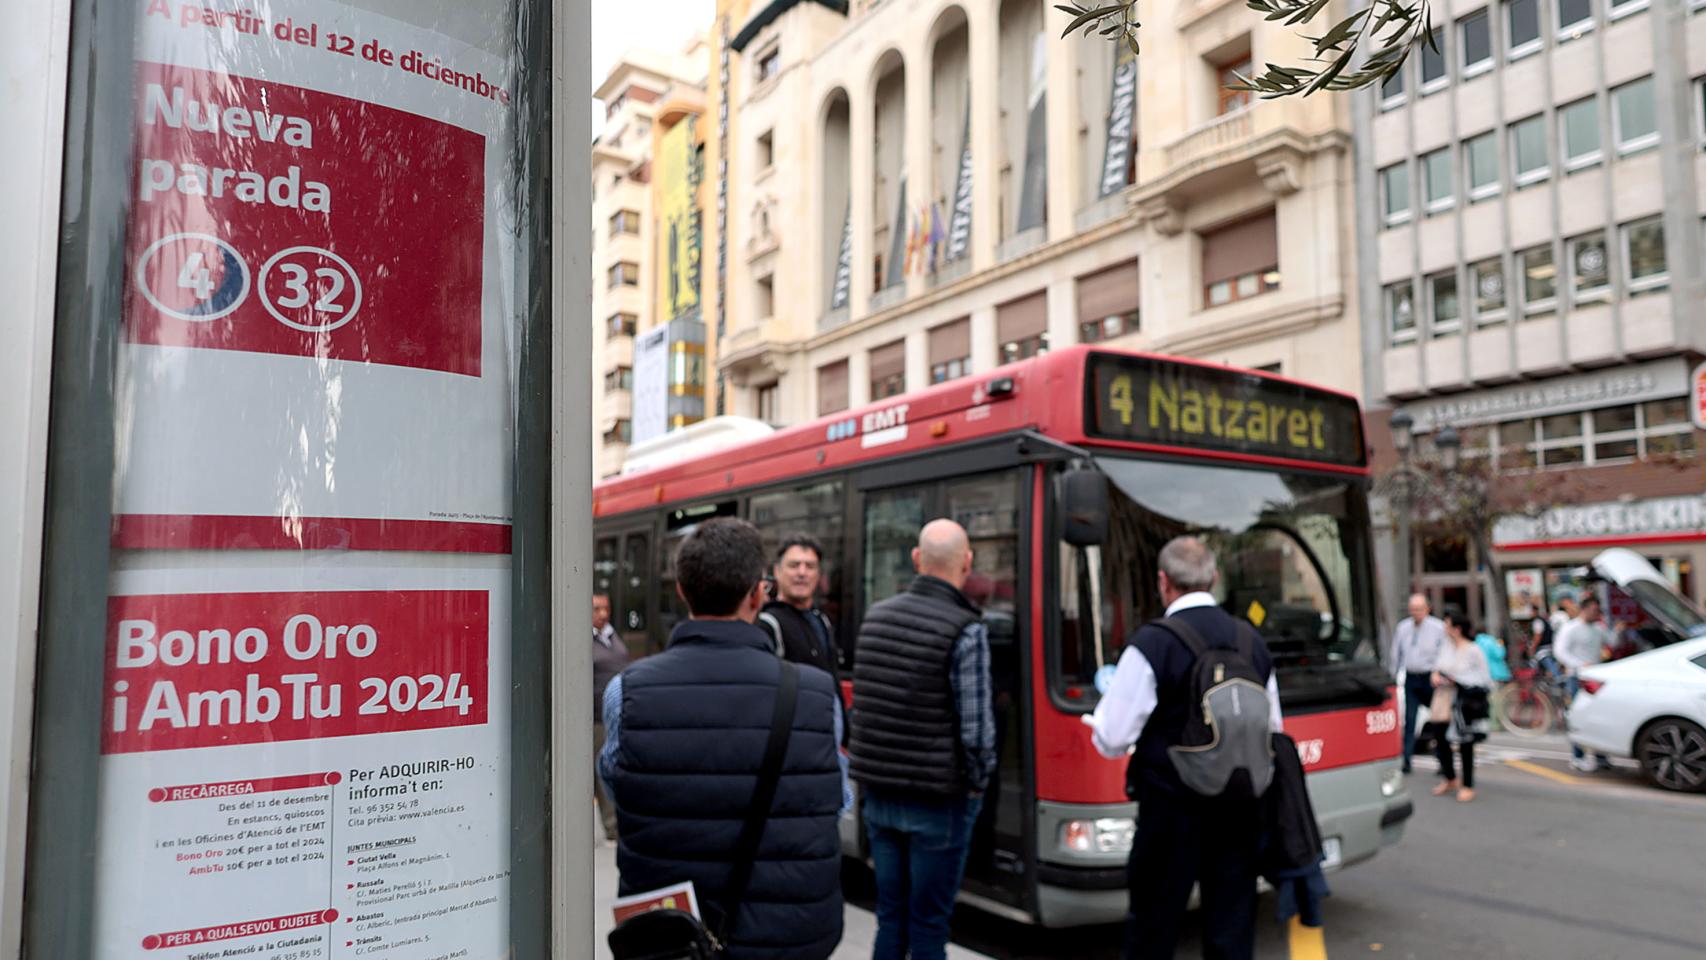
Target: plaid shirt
(969, 676)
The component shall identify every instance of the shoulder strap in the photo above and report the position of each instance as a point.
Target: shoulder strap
(775, 628)
(1186, 633)
(1246, 640)
(769, 775)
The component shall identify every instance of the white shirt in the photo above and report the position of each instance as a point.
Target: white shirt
(1120, 717)
(1580, 644)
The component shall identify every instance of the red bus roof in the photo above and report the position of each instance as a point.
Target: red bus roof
(1043, 393)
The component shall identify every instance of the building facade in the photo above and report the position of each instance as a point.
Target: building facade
(913, 192)
(647, 205)
(1532, 224)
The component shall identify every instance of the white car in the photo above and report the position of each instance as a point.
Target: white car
(1651, 706)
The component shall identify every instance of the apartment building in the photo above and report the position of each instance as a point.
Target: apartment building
(1533, 276)
(647, 204)
(910, 192)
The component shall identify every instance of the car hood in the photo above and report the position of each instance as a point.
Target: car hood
(1636, 577)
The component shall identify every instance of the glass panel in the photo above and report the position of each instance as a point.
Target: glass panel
(1661, 412)
(1561, 426)
(1401, 307)
(1529, 138)
(1539, 275)
(1636, 119)
(1614, 419)
(1443, 293)
(1293, 560)
(1514, 432)
(1477, 40)
(1393, 86)
(1445, 552)
(1571, 12)
(630, 608)
(1248, 285)
(1614, 450)
(1523, 18)
(1589, 268)
(1483, 161)
(1646, 250)
(1489, 279)
(892, 521)
(1670, 444)
(1433, 60)
(1220, 293)
(1562, 456)
(604, 567)
(1397, 189)
(818, 510)
(1436, 169)
(1580, 123)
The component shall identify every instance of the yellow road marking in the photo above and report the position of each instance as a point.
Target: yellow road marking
(1552, 775)
(1307, 943)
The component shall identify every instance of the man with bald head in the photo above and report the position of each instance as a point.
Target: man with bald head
(1415, 648)
(923, 742)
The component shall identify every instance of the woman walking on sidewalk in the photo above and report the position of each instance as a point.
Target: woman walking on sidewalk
(1458, 716)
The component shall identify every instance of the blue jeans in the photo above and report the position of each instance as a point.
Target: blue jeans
(1418, 694)
(919, 848)
(1574, 685)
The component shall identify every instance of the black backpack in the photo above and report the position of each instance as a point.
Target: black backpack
(1227, 731)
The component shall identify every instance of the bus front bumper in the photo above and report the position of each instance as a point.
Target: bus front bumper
(1356, 815)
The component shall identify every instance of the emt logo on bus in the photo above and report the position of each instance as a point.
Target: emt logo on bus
(1150, 400)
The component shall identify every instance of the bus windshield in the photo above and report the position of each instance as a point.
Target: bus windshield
(1294, 561)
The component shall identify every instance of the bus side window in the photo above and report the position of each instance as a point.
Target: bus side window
(988, 508)
(630, 616)
(678, 526)
(604, 569)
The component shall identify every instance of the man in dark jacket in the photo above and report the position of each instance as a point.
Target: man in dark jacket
(686, 732)
(923, 742)
(609, 656)
(802, 633)
(1183, 839)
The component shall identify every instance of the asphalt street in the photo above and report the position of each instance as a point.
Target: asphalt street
(1545, 863)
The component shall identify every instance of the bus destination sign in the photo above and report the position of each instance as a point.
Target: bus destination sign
(1150, 400)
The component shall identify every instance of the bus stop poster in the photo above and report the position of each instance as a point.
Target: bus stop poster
(305, 768)
(319, 269)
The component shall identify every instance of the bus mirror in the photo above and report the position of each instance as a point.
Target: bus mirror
(1084, 507)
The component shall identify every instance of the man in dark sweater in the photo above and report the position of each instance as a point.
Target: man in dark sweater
(687, 733)
(803, 634)
(609, 656)
(923, 742)
(1183, 839)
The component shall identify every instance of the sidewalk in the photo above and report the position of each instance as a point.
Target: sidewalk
(856, 938)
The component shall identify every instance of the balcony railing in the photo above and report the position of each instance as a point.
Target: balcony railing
(1218, 134)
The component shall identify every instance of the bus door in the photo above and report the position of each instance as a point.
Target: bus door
(994, 510)
(621, 569)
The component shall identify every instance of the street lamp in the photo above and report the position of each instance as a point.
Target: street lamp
(1403, 494)
(1449, 445)
(1402, 424)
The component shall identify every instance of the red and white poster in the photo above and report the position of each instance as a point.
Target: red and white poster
(322, 764)
(305, 728)
(320, 276)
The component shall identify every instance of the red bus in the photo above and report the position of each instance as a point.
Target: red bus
(1271, 472)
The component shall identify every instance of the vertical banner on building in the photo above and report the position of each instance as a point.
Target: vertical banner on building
(305, 728)
(959, 224)
(841, 287)
(1122, 113)
(678, 221)
(651, 383)
(1033, 194)
(901, 240)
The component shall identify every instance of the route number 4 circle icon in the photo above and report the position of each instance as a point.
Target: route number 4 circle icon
(193, 277)
(310, 289)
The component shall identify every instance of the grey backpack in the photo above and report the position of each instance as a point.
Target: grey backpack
(1227, 731)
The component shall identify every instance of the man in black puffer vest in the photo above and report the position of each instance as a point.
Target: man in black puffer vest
(686, 731)
(1183, 839)
(923, 742)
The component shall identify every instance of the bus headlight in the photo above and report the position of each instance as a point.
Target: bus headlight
(1105, 835)
(1391, 782)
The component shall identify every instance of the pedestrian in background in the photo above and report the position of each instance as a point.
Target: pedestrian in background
(802, 633)
(1457, 716)
(609, 657)
(922, 742)
(1415, 648)
(1580, 644)
(1184, 839)
(687, 734)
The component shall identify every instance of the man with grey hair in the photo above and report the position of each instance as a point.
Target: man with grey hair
(1183, 839)
(923, 742)
(1416, 645)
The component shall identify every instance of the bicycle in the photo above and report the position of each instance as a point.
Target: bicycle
(1533, 703)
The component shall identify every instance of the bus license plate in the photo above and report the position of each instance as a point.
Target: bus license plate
(1330, 850)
